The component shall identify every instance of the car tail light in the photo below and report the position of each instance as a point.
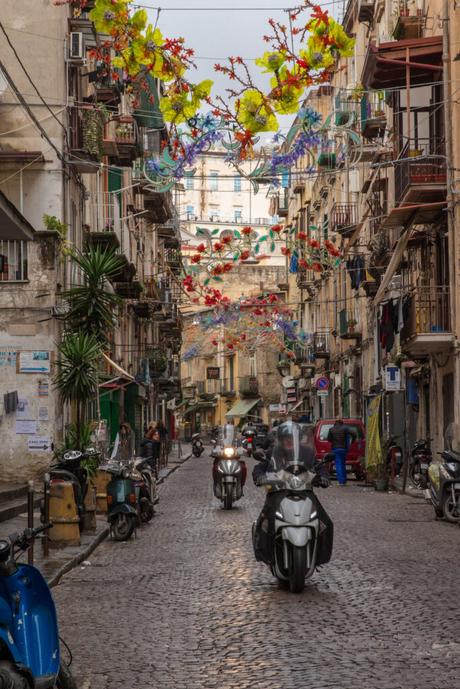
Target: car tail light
(249, 440)
(109, 499)
(132, 498)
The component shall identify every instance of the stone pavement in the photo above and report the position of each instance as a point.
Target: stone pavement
(185, 605)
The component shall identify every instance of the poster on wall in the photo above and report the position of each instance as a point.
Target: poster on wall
(23, 410)
(7, 358)
(43, 414)
(26, 427)
(36, 361)
(43, 388)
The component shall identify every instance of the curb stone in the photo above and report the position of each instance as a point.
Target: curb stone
(86, 552)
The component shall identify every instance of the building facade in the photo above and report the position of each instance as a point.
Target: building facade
(72, 150)
(384, 322)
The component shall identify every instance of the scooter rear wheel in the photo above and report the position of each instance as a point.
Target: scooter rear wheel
(450, 510)
(10, 677)
(123, 527)
(147, 510)
(65, 679)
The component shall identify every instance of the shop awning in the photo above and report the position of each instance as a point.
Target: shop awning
(198, 406)
(242, 407)
(13, 224)
(122, 378)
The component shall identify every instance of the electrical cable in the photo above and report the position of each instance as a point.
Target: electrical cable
(28, 124)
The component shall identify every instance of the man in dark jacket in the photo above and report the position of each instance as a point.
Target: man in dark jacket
(339, 437)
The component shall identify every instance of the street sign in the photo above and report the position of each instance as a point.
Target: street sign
(392, 378)
(39, 444)
(322, 383)
(213, 373)
(322, 393)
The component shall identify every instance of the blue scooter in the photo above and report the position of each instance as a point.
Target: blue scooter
(29, 638)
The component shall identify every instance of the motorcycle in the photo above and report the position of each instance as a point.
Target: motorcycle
(248, 442)
(123, 508)
(228, 471)
(420, 460)
(146, 488)
(29, 636)
(444, 478)
(197, 445)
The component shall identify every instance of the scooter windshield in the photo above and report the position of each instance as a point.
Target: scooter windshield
(452, 437)
(287, 447)
(228, 435)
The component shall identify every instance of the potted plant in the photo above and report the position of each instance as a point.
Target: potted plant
(157, 361)
(351, 324)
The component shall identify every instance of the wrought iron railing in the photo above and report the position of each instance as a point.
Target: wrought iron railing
(420, 162)
(428, 311)
(344, 217)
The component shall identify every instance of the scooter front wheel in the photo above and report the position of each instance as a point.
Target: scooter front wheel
(228, 501)
(10, 678)
(297, 569)
(65, 679)
(123, 527)
(147, 510)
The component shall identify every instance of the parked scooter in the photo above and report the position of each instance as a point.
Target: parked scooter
(394, 458)
(69, 468)
(420, 460)
(197, 445)
(229, 471)
(123, 511)
(146, 488)
(29, 636)
(444, 478)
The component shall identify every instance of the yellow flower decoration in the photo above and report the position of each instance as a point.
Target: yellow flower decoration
(254, 114)
(272, 61)
(177, 108)
(107, 14)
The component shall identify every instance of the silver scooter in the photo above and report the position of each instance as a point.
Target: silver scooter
(227, 469)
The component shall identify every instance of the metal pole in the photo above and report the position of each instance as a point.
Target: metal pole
(46, 512)
(30, 519)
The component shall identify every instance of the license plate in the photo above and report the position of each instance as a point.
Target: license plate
(423, 466)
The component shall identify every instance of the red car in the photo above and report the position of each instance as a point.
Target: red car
(356, 451)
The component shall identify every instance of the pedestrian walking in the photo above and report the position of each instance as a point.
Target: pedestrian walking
(163, 435)
(339, 437)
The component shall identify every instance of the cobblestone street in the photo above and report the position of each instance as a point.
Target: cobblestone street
(185, 606)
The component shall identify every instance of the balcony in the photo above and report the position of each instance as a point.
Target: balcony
(373, 117)
(227, 387)
(303, 354)
(348, 327)
(423, 179)
(173, 258)
(131, 289)
(306, 280)
(366, 11)
(344, 218)
(321, 347)
(427, 329)
(409, 25)
(121, 140)
(104, 226)
(160, 209)
(86, 131)
(346, 111)
(249, 386)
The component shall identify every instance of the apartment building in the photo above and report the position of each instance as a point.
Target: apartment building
(385, 320)
(72, 148)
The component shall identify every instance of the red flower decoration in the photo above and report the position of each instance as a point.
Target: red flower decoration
(303, 263)
(218, 269)
(285, 251)
(317, 267)
(196, 258)
(277, 228)
(201, 248)
(314, 243)
(245, 254)
(218, 247)
(302, 235)
(272, 298)
(247, 230)
(226, 240)
(228, 267)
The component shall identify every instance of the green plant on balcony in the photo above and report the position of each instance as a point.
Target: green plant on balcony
(157, 360)
(53, 224)
(124, 131)
(351, 324)
(94, 121)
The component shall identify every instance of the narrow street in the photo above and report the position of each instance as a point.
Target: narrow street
(185, 606)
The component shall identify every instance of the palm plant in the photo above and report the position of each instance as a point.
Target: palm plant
(92, 303)
(76, 377)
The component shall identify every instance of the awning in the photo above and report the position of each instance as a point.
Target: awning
(385, 65)
(242, 407)
(13, 224)
(417, 214)
(122, 378)
(199, 405)
(393, 265)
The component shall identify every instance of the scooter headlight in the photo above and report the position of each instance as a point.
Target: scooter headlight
(279, 515)
(295, 483)
(229, 451)
(314, 514)
(125, 472)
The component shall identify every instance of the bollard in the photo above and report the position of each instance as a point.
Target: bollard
(100, 482)
(30, 519)
(46, 513)
(89, 520)
(63, 515)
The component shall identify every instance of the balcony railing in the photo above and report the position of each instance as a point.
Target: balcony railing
(121, 140)
(86, 131)
(327, 155)
(366, 10)
(283, 203)
(249, 386)
(303, 354)
(426, 171)
(411, 22)
(348, 327)
(344, 217)
(13, 260)
(428, 312)
(321, 347)
(373, 117)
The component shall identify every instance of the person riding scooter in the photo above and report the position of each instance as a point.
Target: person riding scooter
(282, 455)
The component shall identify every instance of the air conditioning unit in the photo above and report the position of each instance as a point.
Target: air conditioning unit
(76, 46)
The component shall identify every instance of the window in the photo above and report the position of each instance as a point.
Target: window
(214, 181)
(214, 213)
(238, 214)
(189, 182)
(190, 212)
(13, 260)
(231, 373)
(253, 365)
(237, 184)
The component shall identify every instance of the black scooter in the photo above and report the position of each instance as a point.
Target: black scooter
(123, 510)
(197, 445)
(444, 491)
(69, 468)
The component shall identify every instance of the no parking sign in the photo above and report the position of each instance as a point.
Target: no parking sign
(322, 385)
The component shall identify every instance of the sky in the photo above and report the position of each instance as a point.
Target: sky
(216, 31)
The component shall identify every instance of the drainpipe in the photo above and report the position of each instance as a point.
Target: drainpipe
(450, 194)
